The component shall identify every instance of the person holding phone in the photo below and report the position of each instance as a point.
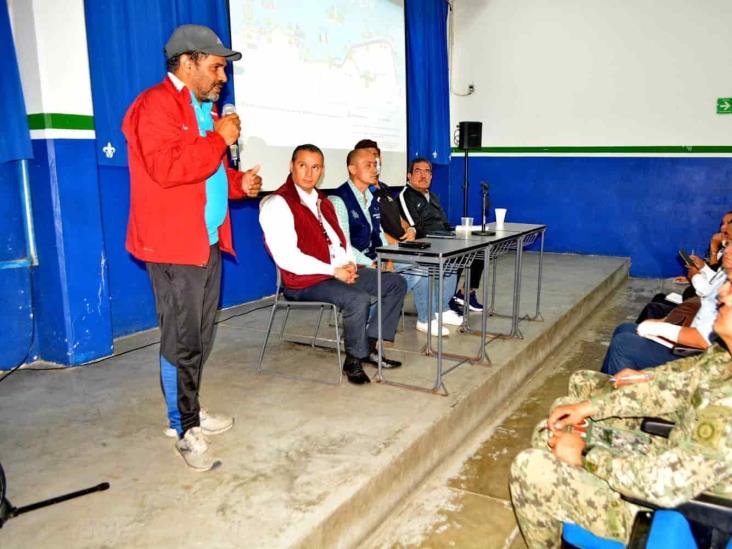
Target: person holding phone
(717, 244)
(651, 342)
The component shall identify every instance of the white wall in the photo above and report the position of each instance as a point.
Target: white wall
(50, 42)
(593, 72)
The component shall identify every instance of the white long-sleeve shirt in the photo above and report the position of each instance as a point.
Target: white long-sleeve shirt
(278, 225)
(704, 280)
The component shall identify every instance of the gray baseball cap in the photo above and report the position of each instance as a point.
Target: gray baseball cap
(197, 38)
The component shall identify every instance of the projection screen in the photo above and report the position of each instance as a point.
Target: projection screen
(328, 73)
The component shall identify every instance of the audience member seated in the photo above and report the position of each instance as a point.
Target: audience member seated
(578, 471)
(422, 210)
(651, 342)
(302, 234)
(392, 222)
(698, 274)
(717, 244)
(361, 219)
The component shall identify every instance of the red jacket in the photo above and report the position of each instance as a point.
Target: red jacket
(310, 238)
(169, 164)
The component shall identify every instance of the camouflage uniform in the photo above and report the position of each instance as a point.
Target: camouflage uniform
(583, 384)
(696, 457)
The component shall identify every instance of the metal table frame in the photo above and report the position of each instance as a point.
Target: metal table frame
(446, 255)
(525, 235)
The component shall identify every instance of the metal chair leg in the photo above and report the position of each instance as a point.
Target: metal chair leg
(266, 337)
(317, 327)
(338, 344)
(284, 322)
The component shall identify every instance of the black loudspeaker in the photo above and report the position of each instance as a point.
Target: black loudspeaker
(470, 135)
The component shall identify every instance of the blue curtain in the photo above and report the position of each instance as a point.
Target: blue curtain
(14, 135)
(126, 40)
(428, 90)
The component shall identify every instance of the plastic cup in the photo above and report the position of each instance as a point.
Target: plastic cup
(466, 223)
(500, 217)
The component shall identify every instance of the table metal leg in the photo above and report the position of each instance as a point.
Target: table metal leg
(538, 316)
(440, 304)
(492, 308)
(428, 346)
(465, 327)
(515, 332)
(380, 342)
(482, 354)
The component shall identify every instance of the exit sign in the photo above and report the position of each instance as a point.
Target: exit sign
(724, 105)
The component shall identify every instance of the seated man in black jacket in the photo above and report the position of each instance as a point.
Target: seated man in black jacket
(423, 211)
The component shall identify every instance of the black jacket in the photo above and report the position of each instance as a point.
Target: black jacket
(426, 216)
(390, 218)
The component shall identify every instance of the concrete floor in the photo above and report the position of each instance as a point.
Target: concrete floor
(466, 503)
(306, 464)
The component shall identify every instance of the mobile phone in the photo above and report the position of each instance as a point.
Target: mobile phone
(415, 244)
(686, 258)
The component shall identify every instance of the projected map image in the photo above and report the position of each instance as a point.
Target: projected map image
(329, 72)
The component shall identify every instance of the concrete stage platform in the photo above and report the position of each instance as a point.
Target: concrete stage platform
(307, 463)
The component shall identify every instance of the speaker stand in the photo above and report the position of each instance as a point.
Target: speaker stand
(465, 185)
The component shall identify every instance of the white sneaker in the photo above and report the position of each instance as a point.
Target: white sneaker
(211, 424)
(451, 318)
(193, 448)
(422, 327)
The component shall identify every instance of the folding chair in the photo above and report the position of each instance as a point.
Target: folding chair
(704, 522)
(280, 302)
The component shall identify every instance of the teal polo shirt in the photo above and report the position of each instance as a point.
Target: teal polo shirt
(217, 188)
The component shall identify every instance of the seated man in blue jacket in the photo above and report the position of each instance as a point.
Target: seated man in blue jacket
(359, 215)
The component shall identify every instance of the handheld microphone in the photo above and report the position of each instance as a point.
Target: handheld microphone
(229, 108)
(484, 185)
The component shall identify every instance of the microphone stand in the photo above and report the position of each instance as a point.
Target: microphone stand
(8, 511)
(486, 201)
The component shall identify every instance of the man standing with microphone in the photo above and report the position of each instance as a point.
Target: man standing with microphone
(179, 222)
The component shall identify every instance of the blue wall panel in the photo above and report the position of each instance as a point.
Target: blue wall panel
(47, 291)
(252, 274)
(70, 284)
(131, 299)
(12, 233)
(642, 207)
(16, 322)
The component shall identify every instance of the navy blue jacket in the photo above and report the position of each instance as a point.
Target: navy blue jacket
(364, 237)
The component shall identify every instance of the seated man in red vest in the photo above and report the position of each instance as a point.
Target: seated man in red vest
(303, 236)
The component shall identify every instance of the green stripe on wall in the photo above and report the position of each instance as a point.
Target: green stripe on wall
(687, 149)
(60, 121)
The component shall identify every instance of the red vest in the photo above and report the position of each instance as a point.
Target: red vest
(310, 238)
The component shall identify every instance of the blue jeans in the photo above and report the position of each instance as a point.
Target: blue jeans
(629, 350)
(420, 285)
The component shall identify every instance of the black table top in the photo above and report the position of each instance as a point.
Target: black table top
(461, 243)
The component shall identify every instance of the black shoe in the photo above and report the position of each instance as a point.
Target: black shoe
(386, 363)
(354, 371)
(373, 358)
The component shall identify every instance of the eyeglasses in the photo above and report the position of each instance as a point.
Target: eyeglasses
(425, 171)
